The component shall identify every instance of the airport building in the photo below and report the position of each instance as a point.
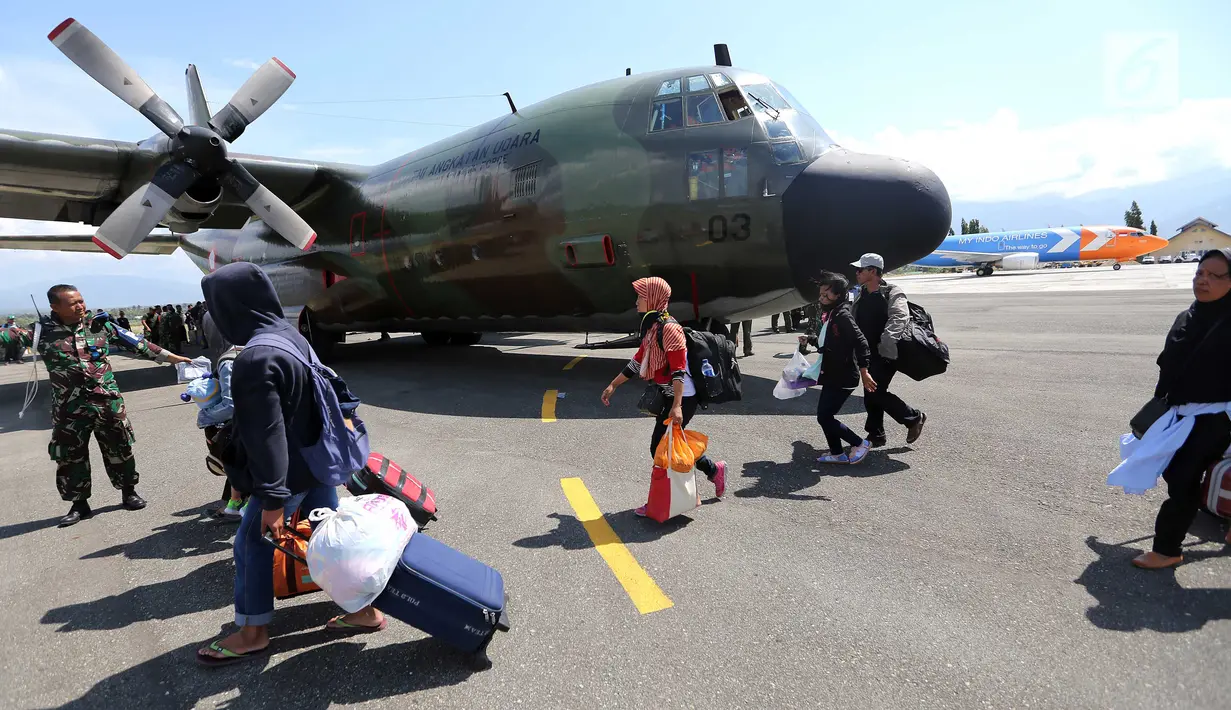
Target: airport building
(1197, 236)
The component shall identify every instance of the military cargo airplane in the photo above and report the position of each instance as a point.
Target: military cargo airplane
(1027, 248)
(712, 177)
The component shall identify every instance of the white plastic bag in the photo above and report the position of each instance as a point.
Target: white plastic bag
(789, 385)
(189, 371)
(355, 549)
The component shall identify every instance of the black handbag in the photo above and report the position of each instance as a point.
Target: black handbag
(656, 399)
(1149, 414)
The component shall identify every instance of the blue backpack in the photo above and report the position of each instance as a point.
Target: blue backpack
(339, 452)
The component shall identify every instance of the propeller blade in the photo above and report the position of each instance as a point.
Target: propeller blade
(268, 207)
(254, 98)
(105, 66)
(198, 109)
(141, 211)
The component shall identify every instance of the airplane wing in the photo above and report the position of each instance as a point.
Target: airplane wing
(73, 179)
(153, 244)
(972, 257)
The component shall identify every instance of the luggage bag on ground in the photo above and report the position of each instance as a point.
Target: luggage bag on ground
(382, 475)
(447, 594)
(291, 576)
(1216, 489)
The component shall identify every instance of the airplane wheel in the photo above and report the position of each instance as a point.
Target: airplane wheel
(465, 339)
(1115, 267)
(322, 342)
(435, 338)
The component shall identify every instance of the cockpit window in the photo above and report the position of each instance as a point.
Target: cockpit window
(667, 115)
(787, 152)
(670, 86)
(791, 100)
(697, 83)
(733, 104)
(703, 109)
(777, 129)
(766, 99)
(719, 80)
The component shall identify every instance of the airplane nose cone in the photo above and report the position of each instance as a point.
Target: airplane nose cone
(846, 204)
(1154, 243)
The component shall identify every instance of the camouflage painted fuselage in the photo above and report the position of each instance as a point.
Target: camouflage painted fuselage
(540, 220)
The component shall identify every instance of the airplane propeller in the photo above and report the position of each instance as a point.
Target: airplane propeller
(198, 149)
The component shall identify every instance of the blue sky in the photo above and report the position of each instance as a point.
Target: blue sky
(1003, 100)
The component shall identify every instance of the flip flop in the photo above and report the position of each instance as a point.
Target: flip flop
(229, 656)
(337, 624)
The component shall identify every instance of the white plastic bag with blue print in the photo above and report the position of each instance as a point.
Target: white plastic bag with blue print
(354, 549)
(791, 384)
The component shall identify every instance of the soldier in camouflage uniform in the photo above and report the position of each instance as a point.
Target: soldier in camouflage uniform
(86, 399)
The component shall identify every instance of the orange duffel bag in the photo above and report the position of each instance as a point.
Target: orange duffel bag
(291, 577)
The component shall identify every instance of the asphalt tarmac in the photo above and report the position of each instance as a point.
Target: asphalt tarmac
(987, 565)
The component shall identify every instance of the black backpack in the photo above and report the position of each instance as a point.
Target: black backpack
(921, 354)
(720, 382)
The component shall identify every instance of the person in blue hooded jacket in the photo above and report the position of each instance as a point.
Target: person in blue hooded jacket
(274, 412)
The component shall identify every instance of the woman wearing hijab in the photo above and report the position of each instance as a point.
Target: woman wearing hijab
(1194, 369)
(664, 365)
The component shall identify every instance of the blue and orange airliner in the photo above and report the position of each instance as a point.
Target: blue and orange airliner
(1027, 248)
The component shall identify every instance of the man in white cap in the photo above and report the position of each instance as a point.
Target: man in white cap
(882, 313)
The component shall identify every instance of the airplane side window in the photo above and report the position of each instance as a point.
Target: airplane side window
(703, 109)
(703, 175)
(787, 152)
(698, 83)
(734, 105)
(667, 115)
(735, 172)
(670, 86)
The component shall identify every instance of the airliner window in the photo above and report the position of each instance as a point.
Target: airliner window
(697, 83)
(704, 177)
(734, 105)
(703, 109)
(777, 129)
(667, 115)
(719, 80)
(787, 152)
(670, 86)
(735, 172)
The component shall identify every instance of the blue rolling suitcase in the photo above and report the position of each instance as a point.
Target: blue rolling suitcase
(447, 594)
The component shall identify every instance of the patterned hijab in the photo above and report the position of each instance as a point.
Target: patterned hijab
(657, 295)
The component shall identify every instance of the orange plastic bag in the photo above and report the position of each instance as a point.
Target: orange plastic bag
(679, 449)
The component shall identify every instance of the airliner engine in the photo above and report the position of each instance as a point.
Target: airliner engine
(1020, 262)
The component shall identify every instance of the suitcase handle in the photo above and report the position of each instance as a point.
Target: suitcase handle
(270, 539)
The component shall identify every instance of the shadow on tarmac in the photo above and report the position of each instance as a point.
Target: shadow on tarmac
(1131, 599)
(784, 480)
(200, 535)
(570, 534)
(315, 679)
(19, 529)
(481, 381)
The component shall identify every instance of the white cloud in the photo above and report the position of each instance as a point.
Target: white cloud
(244, 64)
(1001, 159)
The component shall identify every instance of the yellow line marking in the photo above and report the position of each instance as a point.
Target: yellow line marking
(703, 244)
(549, 405)
(645, 594)
(574, 362)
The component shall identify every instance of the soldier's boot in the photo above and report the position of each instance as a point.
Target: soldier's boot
(80, 511)
(132, 501)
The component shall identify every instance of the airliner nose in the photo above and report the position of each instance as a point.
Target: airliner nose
(846, 204)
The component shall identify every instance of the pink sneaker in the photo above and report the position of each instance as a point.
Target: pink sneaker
(640, 512)
(720, 479)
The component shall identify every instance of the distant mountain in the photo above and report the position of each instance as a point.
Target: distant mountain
(106, 292)
(1171, 204)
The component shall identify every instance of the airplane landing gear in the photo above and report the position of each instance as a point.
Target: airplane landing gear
(322, 342)
(1115, 266)
(985, 271)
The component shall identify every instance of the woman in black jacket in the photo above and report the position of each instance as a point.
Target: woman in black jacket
(843, 347)
(1194, 368)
